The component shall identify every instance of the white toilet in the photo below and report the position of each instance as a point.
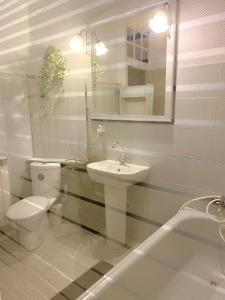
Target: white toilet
(29, 216)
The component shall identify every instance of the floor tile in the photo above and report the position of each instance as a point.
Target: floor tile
(69, 261)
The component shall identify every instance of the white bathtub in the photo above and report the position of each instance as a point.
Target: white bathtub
(181, 261)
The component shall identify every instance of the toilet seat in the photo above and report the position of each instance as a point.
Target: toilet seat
(27, 208)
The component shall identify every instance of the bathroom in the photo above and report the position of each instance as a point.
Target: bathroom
(112, 119)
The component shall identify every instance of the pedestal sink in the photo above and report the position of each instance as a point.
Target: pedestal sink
(116, 179)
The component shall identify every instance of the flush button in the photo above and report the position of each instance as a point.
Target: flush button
(40, 177)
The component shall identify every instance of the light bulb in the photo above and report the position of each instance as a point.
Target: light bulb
(159, 23)
(76, 44)
(100, 48)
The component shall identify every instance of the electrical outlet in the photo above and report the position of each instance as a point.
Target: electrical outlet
(100, 129)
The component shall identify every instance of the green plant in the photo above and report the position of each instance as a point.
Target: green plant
(52, 73)
(96, 72)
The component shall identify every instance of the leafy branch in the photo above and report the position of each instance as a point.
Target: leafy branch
(52, 73)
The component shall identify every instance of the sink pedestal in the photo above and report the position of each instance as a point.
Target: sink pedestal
(116, 178)
(115, 210)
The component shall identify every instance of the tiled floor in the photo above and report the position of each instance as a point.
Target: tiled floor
(67, 253)
(84, 282)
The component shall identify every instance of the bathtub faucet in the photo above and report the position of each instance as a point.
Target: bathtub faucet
(220, 203)
(123, 159)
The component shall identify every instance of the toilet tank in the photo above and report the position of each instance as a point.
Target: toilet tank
(46, 179)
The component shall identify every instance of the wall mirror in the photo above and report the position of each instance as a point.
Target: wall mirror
(133, 80)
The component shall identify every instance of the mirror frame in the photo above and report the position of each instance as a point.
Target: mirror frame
(171, 70)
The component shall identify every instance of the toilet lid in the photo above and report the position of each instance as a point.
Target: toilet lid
(28, 207)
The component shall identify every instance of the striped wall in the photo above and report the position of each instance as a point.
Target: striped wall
(187, 158)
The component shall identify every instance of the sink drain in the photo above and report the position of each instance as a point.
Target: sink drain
(213, 283)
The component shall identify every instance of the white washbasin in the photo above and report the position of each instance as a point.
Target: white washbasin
(116, 178)
(113, 173)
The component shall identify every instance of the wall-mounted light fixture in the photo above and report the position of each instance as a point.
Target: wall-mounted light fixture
(100, 48)
(161, 22)
(78, 44)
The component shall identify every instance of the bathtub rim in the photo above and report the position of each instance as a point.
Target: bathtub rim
(170, 225)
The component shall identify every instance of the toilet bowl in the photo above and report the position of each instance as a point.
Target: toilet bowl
(29, 216)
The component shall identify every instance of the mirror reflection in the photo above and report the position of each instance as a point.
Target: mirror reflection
(130, 80)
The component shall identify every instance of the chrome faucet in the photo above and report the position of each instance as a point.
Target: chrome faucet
(220, 203)
(123, 159)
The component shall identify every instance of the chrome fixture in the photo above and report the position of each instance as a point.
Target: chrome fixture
(78, 45)
(217, 200)
(161, 22)
(220, 203)
(123, 159)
